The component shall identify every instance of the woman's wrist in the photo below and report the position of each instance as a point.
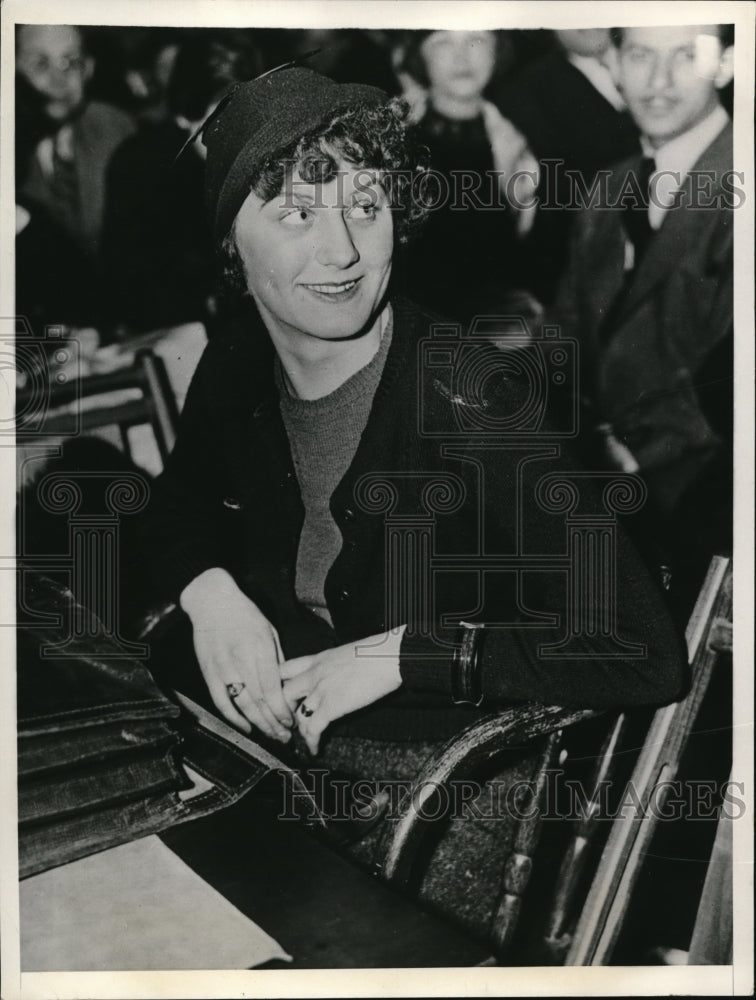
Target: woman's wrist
(209, 587)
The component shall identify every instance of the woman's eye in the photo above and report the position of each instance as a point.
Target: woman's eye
(363, 210)
(296, 218)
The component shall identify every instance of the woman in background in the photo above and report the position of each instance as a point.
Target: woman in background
(467, 258)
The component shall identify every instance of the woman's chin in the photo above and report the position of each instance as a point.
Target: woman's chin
(340, 320)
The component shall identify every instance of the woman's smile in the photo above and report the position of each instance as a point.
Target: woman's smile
(334, 291)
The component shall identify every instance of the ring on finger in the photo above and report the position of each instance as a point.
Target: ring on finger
(235, 688)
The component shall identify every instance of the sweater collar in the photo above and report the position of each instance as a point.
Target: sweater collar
(355, 387)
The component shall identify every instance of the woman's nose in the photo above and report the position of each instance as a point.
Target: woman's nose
(336, 247)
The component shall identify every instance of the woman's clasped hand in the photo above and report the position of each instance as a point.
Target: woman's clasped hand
(325, 686)
(239, 654)
(250, 683)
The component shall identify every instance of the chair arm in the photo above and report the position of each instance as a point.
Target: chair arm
(475, 745)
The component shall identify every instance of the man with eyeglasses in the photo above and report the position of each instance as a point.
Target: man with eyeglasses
(66, 170)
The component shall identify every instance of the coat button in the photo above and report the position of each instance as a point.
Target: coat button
(344, 595)
(348, 514)
(232, 503)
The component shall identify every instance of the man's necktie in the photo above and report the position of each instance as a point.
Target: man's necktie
(639, 232)
(635, 217)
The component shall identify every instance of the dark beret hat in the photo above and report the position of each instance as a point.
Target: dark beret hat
(260, 119)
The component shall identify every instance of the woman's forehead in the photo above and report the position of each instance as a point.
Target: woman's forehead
(343, 183)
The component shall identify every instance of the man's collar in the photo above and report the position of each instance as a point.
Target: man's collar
(680, 153)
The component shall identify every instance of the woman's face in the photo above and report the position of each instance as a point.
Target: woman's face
(459, 64)
(317, 257)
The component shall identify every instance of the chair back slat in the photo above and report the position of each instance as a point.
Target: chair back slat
(629, 840)
(140, 394)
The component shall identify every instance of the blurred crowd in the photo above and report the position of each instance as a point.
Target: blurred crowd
(111, 231)
(112, 239)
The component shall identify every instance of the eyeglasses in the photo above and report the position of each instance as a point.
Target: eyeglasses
(37, 64)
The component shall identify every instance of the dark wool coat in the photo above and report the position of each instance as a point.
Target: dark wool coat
(229, 497)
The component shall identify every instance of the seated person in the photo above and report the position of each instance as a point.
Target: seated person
(469, 250)
(56, 281)
(156, 243)
(66, 170)
(648, 293)
(568, 108)
(302, 447)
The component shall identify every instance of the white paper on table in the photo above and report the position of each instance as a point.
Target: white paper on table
(137, 906)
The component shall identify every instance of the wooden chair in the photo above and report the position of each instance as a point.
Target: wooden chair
(709, 633)
(69, 503)
(128, 397)
(537, 727)
(708, 636)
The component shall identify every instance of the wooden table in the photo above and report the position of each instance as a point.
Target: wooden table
(323, 910)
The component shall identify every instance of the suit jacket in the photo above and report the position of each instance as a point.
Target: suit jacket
(562, 115)
(156, 241)
(657, 344)
(97, 133)
(564, 118)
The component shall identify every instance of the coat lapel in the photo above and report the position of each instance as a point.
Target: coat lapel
(683, 227)
(607, 248)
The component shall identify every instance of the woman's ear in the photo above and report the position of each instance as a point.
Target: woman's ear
(726, 68)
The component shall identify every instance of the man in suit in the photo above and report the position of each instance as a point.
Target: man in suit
(649, 294)
(66, 170)
(568, 107)
(649, 291)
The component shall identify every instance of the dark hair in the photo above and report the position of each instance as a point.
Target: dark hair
(412, 60)
(375, 137)
(726, 33)
(206, 64)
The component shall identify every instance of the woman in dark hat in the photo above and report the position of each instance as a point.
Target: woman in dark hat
(330, 452)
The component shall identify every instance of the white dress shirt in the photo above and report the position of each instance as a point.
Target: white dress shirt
(675, 159)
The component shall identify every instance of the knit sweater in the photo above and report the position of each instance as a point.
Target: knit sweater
(229, 497)
(323, 434)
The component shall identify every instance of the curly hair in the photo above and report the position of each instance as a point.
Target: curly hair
(374, 137)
